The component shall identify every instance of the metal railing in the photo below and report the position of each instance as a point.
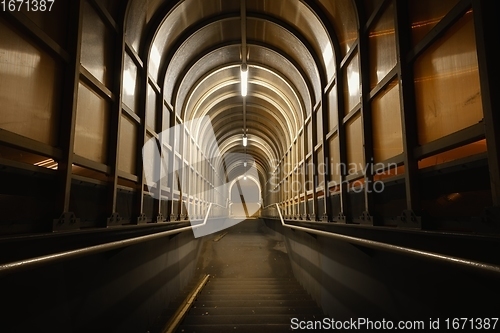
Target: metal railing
(60, 256)
(461, 262)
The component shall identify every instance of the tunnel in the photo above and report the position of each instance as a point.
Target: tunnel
(249, 165)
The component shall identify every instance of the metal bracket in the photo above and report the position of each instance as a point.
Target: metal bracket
(142, 219)
(160, 218)
(67, 221)
(366, 218)
(409, 219)
(174, 217)
(114, 219)
(324, 218)
(341, 218)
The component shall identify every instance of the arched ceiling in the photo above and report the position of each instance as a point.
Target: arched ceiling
(193, 50)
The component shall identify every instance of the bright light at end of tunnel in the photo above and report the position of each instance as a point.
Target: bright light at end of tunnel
(244, 80)
(245, 141)
(245, 178)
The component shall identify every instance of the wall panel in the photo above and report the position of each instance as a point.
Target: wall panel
(127, 146)
(29, 88)
(448, 96)
(386, 122)
(91, 129)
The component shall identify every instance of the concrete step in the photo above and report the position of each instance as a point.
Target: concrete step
(277, 310)
(255, 296)
(232, 328)
(264, 290)
(245, 319)
(255, 303)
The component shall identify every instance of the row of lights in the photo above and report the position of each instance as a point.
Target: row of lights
(244, 91)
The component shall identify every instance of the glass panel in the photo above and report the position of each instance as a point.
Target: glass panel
(334, 165)
(382, 47)
(128, 145)
(151, 109)
(354, 141)
(309, 138)
(96, 41)
(425, 14)
(352, 93)
(386, 122)
(29, 88)
(135, 23)
(333, 108)
(448, 96)
(91, 128)
(321, 167)
(319, 126)
(130, 80)
(300, 144)
(310, 173)
(343, 16)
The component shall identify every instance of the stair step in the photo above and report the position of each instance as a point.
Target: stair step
(238, 291)
(249, 297)
(256, 279)
(246, 319)
(255, 303)
(254, 284)
(262, 328)
(277, 310)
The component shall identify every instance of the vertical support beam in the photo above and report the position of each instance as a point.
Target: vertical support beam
(366, 118)
(67, 220)
(409, 217)
(114, 128)
(303, 172)
(486, 26)
(326, 157)
(341, 132)
(157, 213)
(171, 165)
(138, 209)
(314, 159)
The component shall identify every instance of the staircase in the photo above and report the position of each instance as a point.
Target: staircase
(249, 305)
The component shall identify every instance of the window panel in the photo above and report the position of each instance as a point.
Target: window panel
(128, 145)
(91, 128)
(386, 122)
(352, 93)
(382, 47)
(29, 88)
(448, 96)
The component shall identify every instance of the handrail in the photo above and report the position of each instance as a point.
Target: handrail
(398, 249)
(55, 257)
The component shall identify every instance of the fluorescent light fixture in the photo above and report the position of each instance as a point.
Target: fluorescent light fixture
(245, 141)
(245, 163)
(244, 80)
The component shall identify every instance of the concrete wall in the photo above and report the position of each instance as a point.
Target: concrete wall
(124, 290)
(349, 281)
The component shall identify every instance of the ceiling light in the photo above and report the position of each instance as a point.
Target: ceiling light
(245, 141)
(244, 80)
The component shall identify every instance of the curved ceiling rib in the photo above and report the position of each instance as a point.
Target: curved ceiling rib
(194, 55)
